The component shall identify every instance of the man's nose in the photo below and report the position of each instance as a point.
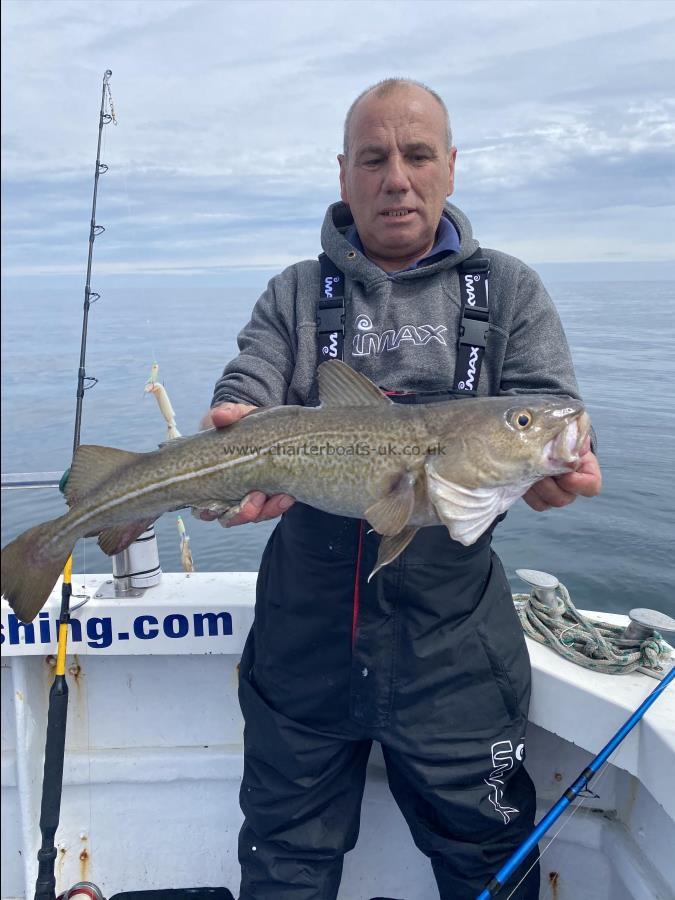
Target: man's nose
(396, 175)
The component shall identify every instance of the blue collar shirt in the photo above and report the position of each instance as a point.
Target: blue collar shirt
(447, 241)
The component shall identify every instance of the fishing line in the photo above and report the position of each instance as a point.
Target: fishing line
(573, 812)
(107, 111)
(152, 341)
(104, 139)
(127, 197)
(89, 847)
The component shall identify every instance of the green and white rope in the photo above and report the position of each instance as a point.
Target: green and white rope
(599, 646)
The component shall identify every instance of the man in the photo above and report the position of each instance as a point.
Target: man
(428, 658)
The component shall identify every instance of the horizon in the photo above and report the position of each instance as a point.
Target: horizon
(564, 124)
(256, 277)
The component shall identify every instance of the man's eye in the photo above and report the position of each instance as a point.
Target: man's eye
(372, 162)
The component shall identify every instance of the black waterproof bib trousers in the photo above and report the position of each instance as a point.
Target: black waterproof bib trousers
(429, 659)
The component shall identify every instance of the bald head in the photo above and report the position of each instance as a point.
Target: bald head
(385, 89)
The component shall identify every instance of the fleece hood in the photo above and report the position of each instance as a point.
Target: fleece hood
(359, 268)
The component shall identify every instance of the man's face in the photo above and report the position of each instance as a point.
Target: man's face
(397, 174)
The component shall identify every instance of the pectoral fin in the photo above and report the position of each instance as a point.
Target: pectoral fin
(392, 546)
(468, 512)
(390, 514)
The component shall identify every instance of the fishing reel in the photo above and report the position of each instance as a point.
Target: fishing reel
(83, 890)
(86, 890)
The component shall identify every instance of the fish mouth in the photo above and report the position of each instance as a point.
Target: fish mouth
(563, 453)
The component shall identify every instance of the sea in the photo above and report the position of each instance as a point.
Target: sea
(614, 552)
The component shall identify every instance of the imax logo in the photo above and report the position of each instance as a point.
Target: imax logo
(371, 343)
(471, 373)
(332, 348)
(470, 290)
(328, 283)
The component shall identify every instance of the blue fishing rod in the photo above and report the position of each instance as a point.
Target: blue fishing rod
(516, 860)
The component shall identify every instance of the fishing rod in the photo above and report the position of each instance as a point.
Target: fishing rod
(52, 781)
(91, 296)
(582, 782)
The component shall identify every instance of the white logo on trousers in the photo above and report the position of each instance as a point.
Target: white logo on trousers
(502, 762)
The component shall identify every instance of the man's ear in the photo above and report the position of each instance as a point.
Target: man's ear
(452, 156)
(342, 160)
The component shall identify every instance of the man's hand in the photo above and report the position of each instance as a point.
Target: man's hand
(560, 490)
(256, 506)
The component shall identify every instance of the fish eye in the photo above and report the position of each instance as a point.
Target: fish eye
(523, 419)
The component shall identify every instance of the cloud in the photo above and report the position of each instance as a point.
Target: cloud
(230, 115)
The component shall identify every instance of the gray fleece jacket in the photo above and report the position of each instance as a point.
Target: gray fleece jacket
(400, 330)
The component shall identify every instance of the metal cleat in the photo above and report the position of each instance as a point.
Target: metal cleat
(544, 587)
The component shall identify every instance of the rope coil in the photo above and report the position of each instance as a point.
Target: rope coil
(600, 646)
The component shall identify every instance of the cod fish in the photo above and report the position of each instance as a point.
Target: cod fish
(460, 463)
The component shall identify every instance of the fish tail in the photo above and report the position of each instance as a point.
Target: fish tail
(31, 565)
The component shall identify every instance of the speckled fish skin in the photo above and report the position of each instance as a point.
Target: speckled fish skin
(358, 454)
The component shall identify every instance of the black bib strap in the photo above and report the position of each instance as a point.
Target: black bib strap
(330, 322)
(473, 329)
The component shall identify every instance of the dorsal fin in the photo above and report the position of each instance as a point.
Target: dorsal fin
(91, 466)
(341, 386)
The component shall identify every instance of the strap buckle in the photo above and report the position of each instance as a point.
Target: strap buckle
(478, 266)
(474, 331)
(330, 318)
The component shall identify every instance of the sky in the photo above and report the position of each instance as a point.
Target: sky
(229, 119)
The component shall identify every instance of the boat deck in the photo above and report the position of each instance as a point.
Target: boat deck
(154, 756)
